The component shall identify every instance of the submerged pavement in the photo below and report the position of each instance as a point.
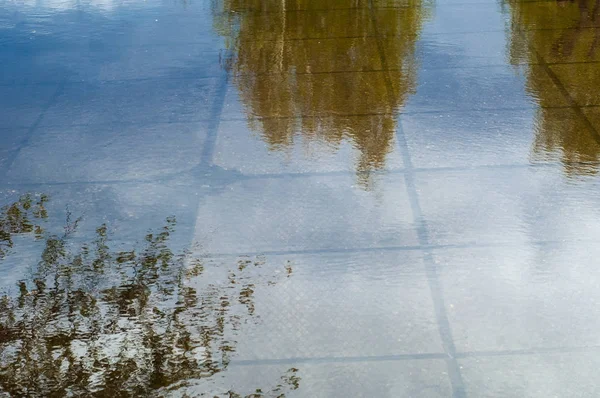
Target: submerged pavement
(425, 171)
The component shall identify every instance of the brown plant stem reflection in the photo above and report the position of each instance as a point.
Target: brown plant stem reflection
(19, 218)
(315, 70)
(90, 321)
(565, 35)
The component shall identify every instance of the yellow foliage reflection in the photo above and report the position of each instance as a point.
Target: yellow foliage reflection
(331, 70)
(565, 36)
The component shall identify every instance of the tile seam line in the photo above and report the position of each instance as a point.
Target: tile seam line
(113, 82)
(119, 124)
(370, 249)
(214, 121)
(78, 49)
(210, 140)
(457, 4)
(408, 113)
(217, 75)
(331, 72)
(207, 119)
(431, 112)
(413, 357)
(196, 43)
(444, 330)
(577, 109)
(373, 36)
(449, 33)
(33, 128)
(434, 68)
(340, 173)
(349, 359)
(324, 115)
(425, 170)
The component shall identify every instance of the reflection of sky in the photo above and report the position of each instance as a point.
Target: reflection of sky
(100, 101)
(62, 5)
(460, 115)
(51, 42)
(114, 108)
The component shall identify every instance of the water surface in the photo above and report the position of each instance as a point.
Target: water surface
(337, 198)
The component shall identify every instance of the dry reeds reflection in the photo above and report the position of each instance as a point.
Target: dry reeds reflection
(91, 321)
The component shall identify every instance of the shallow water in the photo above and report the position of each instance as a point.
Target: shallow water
(336, 198)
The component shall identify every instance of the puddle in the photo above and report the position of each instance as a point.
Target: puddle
(247, 198)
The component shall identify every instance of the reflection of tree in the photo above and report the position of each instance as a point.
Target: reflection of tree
(94, 322)
(281, 63)
(562, 31)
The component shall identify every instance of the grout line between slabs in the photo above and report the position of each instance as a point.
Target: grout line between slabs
(454, 373)
(412, 357)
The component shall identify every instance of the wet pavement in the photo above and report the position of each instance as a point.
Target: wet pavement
(372, 198)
